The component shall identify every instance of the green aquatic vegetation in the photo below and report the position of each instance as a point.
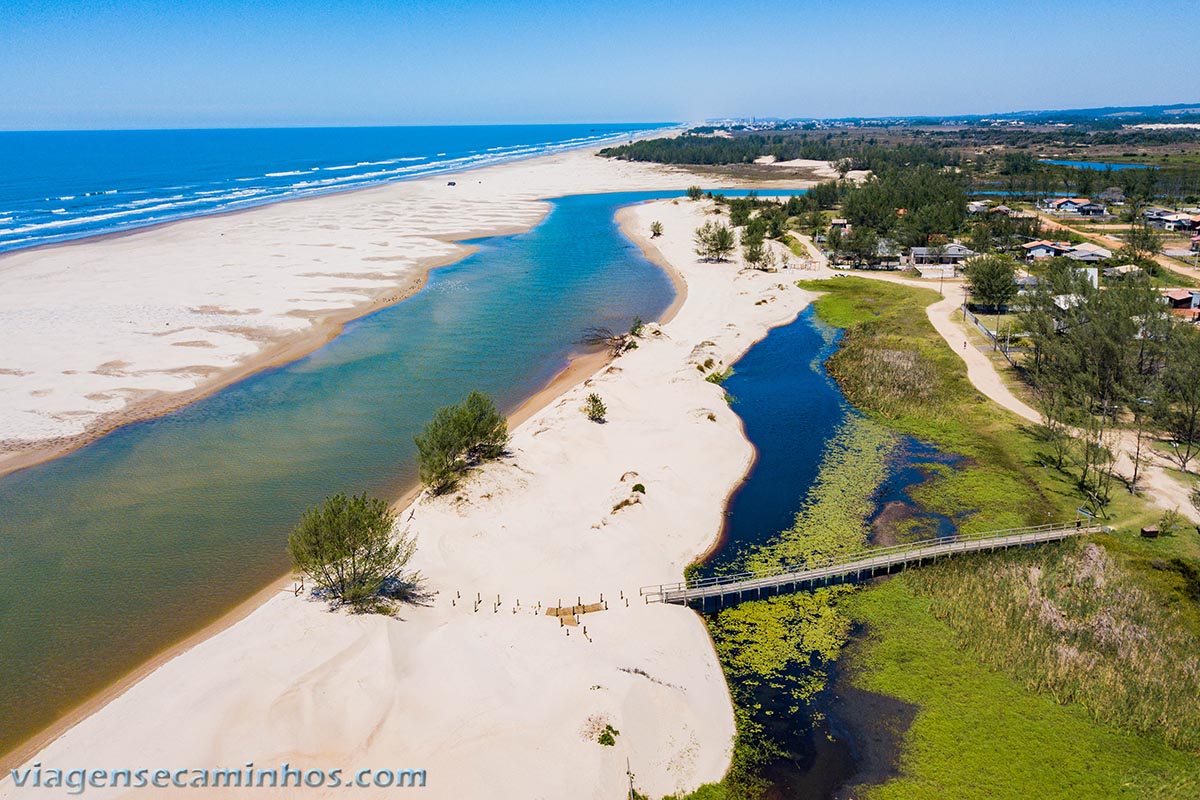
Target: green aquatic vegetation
(832, 520)
(776, 652)
(1080, 687)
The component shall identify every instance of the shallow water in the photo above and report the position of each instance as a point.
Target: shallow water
(113, 552)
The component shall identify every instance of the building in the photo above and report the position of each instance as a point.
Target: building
(887, 255)
(1075, 205)
(839, 225)
(1045, 249)
(1113, 195)
(1122, 271)
(1179, 298)
(1196, 243)
(1089, 253)
(952, 254)
(977, 207)
(1177, 222)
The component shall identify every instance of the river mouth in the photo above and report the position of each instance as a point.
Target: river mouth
(795, 415)
(117, 550)
(122, 549)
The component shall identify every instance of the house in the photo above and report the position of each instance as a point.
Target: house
(1196, 243)
(1122, 271)
(953, 254)
(1154, 216)
(1089, 253)
(842, 225)
(1113, 195)
(1176, 222)
(977, 207)
(1076, 205)
(1044, 249)
(887, 255)
(1002, 209)
(1179, 298)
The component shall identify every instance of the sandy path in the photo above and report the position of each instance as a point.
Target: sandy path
(503, 702)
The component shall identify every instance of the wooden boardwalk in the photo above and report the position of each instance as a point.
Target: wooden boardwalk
(857, 566)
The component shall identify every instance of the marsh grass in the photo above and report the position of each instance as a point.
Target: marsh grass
(1067, 621)
(980, 734)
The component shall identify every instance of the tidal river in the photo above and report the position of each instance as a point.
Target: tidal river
(116, 551)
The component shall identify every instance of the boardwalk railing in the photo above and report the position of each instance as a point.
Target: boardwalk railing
(857, 565)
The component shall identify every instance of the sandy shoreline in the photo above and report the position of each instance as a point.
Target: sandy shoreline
(248, 290)
(553, 444)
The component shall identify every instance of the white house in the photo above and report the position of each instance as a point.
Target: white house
(1045, 249)
(953, 254)
(1089, 253)
(1076, 205)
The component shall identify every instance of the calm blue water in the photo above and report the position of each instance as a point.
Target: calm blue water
(789, 407)
(60, 185)
(114, 551)
(1096, 165)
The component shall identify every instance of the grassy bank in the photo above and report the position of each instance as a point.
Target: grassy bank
(1071, 670)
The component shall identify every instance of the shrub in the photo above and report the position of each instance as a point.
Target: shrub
(458, 437)
(695, 193)
(639, 488)
(594, 408)
(608, 736)
(656, 229)
(347, 548)
(719, 377)
(635, 330)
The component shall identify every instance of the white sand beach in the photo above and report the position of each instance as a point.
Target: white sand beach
(504, 702)
(110, 330)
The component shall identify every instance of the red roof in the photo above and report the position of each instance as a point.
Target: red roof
(1179, 294)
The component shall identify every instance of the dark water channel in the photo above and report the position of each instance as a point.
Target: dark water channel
(791, 408)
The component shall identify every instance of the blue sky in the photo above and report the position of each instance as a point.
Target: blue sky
(204, 63)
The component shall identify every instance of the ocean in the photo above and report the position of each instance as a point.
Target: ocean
(61, 185)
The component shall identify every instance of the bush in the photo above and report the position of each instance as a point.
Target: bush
(346, 547)
(695, 193)
(458, 437)
(639, 488)
(594, 408)
(608, 736)
(656, 229)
